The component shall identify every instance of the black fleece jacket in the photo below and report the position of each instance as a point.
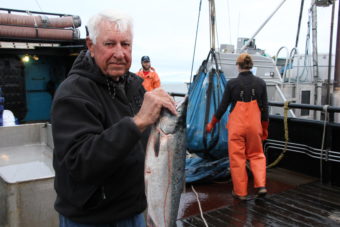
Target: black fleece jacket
(98, 150)
(245, 82)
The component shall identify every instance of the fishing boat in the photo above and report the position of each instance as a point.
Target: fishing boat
(37, 49)
(302, 150)
(303, 155)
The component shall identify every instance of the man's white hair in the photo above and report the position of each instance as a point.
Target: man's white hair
(122, 21)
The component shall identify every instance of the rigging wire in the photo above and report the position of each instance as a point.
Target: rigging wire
(218, 55)
(304, 74)
(193, 56)
(228, 9)
(217, 40)
(297, 39)
(299, 24)
(325, 108)
(238, 24)
(37, 2)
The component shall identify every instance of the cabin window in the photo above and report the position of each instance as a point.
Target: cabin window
(305, 99)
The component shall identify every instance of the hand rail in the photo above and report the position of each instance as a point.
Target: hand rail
(333, 109)
(34, 12)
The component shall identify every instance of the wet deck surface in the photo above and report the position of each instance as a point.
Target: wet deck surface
(292, 200)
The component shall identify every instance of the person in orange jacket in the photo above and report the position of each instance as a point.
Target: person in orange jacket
(247, 127)
(148, 73)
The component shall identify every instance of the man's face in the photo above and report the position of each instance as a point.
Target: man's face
(146, 65)
(112, 51)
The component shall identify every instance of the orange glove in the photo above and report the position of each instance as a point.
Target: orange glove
(211, 124)
(264, 129)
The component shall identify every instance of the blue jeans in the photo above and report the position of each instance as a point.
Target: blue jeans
(135, 221)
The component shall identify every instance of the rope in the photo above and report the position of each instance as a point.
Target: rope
(199, 206)
(285, 123)
(193, 56)
(325, 108)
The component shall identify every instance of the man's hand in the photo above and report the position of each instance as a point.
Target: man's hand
(151, 108)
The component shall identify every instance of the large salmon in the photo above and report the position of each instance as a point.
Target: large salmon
(164, 167)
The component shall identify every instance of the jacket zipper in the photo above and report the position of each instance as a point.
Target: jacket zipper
(103, 193)
(132, 112)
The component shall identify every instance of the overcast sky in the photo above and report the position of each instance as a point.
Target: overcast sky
(165, 29)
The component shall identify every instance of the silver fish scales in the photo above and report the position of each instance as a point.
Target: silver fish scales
(165, 167)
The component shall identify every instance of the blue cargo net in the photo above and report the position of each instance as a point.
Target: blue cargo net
(205, 94)
(200, 170)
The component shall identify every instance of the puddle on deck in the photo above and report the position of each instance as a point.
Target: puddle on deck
(293, 200)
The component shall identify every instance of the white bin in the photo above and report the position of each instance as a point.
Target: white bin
(26, 176)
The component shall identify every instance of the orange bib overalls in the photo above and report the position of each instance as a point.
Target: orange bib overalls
(244, 143)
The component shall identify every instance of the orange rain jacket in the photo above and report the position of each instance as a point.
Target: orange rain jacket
(151, 80)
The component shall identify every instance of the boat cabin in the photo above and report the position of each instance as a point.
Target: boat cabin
(37, 50)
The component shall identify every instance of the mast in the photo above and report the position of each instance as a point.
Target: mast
(328, 100)
(337, 57)
(212, 14)
(315, 49)
(336, 94)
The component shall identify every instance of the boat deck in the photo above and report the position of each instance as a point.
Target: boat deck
(292, 200)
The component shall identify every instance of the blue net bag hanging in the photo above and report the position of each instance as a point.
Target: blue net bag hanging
(205, 94)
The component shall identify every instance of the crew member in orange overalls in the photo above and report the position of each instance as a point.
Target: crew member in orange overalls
(148, 73)
(247, 127)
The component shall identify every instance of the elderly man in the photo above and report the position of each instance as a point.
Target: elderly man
(100, 120)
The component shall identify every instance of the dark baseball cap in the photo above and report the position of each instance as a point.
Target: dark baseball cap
(145, 58)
